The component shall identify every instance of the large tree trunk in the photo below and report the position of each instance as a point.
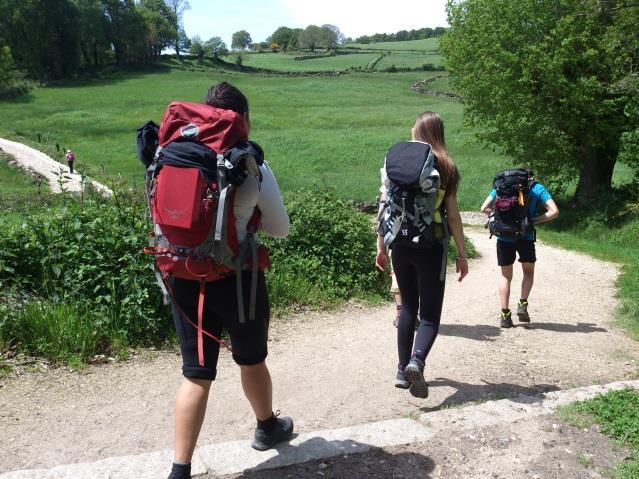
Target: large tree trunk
(595, 176)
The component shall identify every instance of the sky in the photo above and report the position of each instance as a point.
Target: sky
(209, 18)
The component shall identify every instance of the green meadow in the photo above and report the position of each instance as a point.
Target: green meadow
(287, 62)
(426, 45)
(329, 131)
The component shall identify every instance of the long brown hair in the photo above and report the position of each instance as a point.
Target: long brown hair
(429, 127)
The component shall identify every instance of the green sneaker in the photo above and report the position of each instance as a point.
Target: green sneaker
(506, 320)
(522, 312)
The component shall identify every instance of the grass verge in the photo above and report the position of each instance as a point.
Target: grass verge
(617, 413)
(608, 232)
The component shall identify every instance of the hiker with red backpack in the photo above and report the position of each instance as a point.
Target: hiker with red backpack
(209, 191)
(511, 207)
(418, 213)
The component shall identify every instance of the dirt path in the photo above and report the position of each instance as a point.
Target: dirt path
(55, 173)
(336, 369)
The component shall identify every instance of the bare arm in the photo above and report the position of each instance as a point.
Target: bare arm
(486, 207)
(457, 230)
(552, 212)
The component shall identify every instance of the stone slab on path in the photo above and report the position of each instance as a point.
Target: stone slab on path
(235, 457)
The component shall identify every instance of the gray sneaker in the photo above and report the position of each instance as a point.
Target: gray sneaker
(282, 431)
(414, 372)
(400, 380)
(522, 312)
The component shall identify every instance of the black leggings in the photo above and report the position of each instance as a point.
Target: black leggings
(421, 278)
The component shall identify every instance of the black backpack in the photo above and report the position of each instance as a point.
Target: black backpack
(510, 217)
(147, 142)
(408, 217)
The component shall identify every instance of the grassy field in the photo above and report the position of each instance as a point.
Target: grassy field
(316, 130)
(408, 60)
(426, 45)
(286, 62)
(13, 180)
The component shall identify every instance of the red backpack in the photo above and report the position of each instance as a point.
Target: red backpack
(191, 183)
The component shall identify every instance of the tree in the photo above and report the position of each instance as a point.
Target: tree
(94, 45)
(43, 36)
(333, 35)
(282, 36)
(215, 47)
(311, 38)
(160, 26)
(177, 9)
(541, 80)
(197, 48)
(241, 40)
(126, 30)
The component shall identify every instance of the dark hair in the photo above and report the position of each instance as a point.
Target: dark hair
(227, 97)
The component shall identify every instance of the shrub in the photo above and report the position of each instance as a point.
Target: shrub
(75, 283)
(330, 247)
(86, 256)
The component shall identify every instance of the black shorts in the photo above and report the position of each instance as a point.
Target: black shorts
(248, 339)
(506, 252)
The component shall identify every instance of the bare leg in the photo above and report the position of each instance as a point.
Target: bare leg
(528, 279)
(398, 299)
(504, 285)
(258, 389)
(190, 407)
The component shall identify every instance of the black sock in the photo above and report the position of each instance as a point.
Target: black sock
(181, 470)
(523, 301)
(505, 311)
(399, 307)
(268, 425)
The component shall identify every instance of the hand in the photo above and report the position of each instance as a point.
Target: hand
(461, 267)
(381, 261)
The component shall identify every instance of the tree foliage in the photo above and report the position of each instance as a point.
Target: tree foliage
(549, 81)
(285, 37)
(50, 39)
(215, 47)
(177, 9)
(241, 40)
(313, 37)
(401, 36)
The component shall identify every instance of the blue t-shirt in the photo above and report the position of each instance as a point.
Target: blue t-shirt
(537, 194)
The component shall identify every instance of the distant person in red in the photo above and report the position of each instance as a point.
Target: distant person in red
(70, 160)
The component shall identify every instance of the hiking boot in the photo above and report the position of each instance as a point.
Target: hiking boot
(414, 372)
(400, 380)
(522, 312)
(506, 320)
(282, 431)
(180, 471)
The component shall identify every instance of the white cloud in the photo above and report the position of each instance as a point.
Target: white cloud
(364, 17)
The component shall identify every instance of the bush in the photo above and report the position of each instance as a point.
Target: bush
(329, 253)
(75, 283)
(83, 258)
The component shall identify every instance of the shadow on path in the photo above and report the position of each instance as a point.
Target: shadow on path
(479, 332)
(486, 392)
(351, 459)
(569, 328)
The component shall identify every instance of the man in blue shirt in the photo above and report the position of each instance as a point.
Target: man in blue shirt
(507, 248)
